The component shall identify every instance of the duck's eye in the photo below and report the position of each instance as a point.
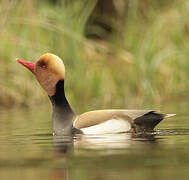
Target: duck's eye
(42, 65)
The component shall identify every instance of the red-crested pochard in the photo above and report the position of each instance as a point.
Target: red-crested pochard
(49, 70)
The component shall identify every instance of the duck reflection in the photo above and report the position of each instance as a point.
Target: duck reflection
(110, 142)
(67, 148)
(62, 144)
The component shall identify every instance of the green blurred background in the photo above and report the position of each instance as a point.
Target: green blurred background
(117, 53)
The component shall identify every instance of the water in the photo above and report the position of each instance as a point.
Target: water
(29, 151)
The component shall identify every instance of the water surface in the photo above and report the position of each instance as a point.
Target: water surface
(29, 151)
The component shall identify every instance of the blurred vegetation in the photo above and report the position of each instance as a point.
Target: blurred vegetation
(144, 62)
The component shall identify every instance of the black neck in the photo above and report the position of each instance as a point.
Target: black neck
(59, 99)
(62, 112)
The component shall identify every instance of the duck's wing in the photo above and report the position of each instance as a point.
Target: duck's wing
(137, 120)
(103, 121)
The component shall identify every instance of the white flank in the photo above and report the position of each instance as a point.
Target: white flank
(110, 126)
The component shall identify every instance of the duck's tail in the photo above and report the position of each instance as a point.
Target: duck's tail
(148, 121)
(169, 115)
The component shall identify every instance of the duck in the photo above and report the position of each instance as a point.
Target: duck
(49, 70)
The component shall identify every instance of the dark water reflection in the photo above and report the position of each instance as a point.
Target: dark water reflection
(29, 151)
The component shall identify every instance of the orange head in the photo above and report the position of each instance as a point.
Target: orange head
(48, 70)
